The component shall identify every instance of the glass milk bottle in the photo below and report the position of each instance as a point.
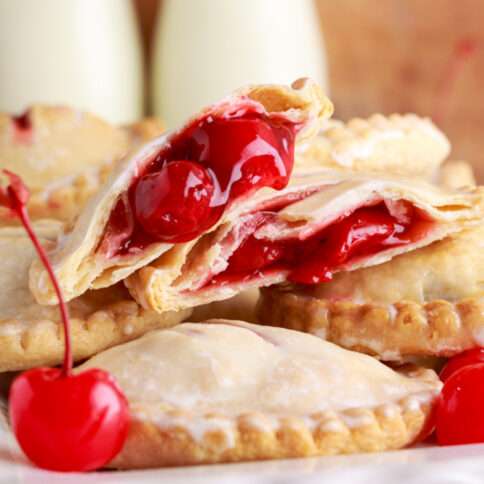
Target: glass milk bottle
(80, 53)
(203, 49)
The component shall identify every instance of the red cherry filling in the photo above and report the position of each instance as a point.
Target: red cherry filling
(62, 421)
(185, 189)
(466, 358)
(459, 410)
(175, 201)
(22, 127)
(313, 260)
(364, 231)
(22, 121)
(253, 255)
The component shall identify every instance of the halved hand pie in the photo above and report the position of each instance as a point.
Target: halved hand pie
(30, 333)
(201, 399)
(429, 302)
(400, 144)
(185, 183)
(319, 225)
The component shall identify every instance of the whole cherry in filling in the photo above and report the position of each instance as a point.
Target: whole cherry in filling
(179, 198)
(63, 421)
(185, 189)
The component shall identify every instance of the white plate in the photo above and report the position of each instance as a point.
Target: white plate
(425, 465)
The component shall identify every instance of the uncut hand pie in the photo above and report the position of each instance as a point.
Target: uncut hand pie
(31, 335)
(64, 155)
(202, 400)
(60, 153)
(229, 154)
(429, 302)
(400, 144)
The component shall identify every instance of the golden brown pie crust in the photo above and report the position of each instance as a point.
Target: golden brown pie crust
(259, 437)
(390, 332)
(32, 335)
(402, 144)
(106, 318)
(66, 157)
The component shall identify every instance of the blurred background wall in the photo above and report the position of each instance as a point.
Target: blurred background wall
(390, 56)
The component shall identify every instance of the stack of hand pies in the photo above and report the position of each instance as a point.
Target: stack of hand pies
(356, 247)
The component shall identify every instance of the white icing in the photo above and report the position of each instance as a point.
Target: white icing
(264, 423)
(198, 427)
(357, 420)
(235, 369)
(375, 345)
(334, 425)
(363, 149)
(390, 410)
(478, 335)
(392, 312)
(90, 175)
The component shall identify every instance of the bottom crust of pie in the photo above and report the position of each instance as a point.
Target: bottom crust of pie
(390, 332)
(158, 439)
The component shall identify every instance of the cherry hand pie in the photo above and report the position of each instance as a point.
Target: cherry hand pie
(400, 144)
(64, 155)
(317, 226)
(456, 174)
(201, 399)
(185, 184)
(429, 302)
(30, 334)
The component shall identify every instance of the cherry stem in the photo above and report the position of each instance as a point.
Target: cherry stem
(464, 49)
(15, 197)
(24, 217)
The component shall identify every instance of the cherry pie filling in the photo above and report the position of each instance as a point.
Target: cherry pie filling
(366, 231)
(22, 127)
(187, 186)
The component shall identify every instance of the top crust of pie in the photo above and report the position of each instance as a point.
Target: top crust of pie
(400, 144)
(200, 368)
(203, 399)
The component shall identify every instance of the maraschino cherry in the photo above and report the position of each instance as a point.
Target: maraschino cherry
(459, 409)
(466, 358)
(62, 421)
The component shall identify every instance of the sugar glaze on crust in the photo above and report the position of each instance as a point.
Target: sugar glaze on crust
(400, 144)
(203, 401)
(65, 155)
